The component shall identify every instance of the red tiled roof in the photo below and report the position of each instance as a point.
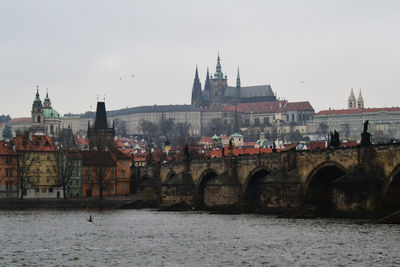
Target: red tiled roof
(259, 107)
(249, 144)
(205, 140)
(304, 106)
(355, 111)
(6, 148)
(119, 154)
(82, 141)
(39, 143)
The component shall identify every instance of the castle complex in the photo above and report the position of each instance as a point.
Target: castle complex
(217, 92)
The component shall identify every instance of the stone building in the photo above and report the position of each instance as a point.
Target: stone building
(8, 170)
(349, 122)
(217, 92)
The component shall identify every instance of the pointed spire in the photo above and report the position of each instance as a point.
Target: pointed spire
(207, 84)
(37, 103)
(196, 90)
(47, 92)
(218, 73)
(360, 97)
(238, 79)
(196, 76)
(352, 97)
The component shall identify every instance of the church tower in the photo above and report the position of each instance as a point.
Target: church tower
(196, 90)
(360, 101)
(37, 113)
(352, 103)
(100, 136)
(207, 84)
(238, 85)
(218, 85)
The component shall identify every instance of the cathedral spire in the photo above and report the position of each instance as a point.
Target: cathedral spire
(207, 84)
(218, 73)
(196, 90)
(238, 79)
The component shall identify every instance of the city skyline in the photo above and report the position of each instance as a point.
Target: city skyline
(138, 53)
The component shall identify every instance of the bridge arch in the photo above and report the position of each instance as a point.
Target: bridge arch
(318, 185)
(169, 175)
(391, 189)
(250, 192)
(148, 189)
(206, 176)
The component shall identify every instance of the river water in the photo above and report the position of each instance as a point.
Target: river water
(152, 238)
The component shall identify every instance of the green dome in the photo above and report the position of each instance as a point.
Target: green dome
(215, 138)
(236, 135)
(50, 113)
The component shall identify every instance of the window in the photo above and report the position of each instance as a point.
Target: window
(50, 189)
(38, 189)
(48, 180)
(48, 157)
(123, 174)
(38, 169)
(123, 186)
(6, 172)
(38, 180)
(37, 157)
(123, 163)
(113, 189)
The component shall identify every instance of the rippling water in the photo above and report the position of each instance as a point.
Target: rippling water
(151, 238)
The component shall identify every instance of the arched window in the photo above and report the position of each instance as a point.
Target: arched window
(51, 129)
(38, 119)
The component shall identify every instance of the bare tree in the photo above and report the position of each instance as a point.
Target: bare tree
(148, 129)
(26, 159)
(66, 167)
(346, 130)
(120, 127)
(323, 130)
(7, 132)
(182, 133)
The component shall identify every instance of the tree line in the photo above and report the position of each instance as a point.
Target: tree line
(177, 133)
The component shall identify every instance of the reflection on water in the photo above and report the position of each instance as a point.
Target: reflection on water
(142, 237)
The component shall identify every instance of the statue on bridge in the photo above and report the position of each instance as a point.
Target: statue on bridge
(335, 141)
(366, 136)
(186, 154)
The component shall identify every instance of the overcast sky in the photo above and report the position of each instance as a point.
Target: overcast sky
(81, 49)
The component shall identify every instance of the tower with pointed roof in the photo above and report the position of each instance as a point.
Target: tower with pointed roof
(100, 136)
(360, 101)
(207, 84)
(218, 85)
(352, 102)
(238, 84)
(196, 90)
(37, 113)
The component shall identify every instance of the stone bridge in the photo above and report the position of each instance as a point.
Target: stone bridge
(353, 179)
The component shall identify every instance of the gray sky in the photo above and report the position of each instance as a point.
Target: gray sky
(81, 49)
